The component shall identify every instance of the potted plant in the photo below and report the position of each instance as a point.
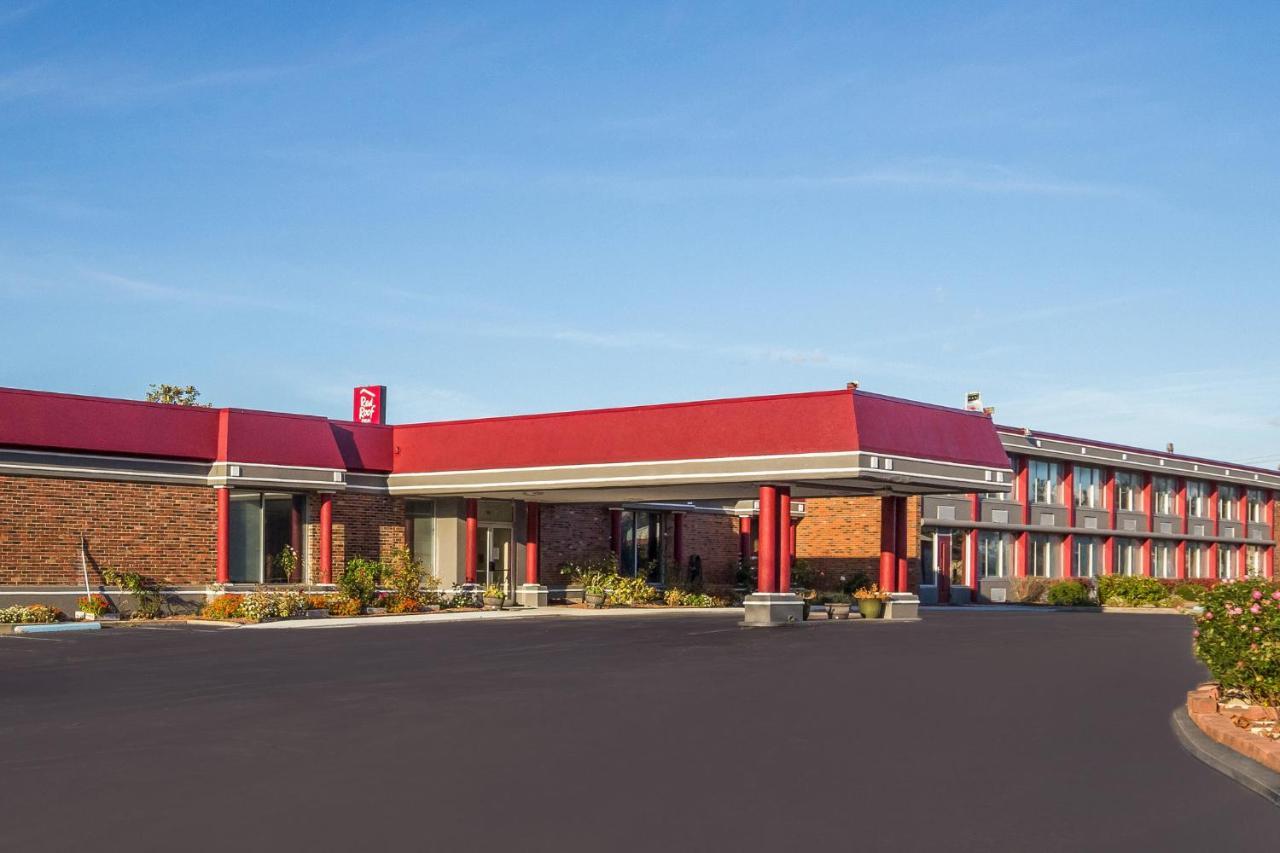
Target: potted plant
(837, 605)
(594, 590)
(871, 602)
(91, 607)
(494, 597)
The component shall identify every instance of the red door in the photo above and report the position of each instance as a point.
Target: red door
(942, 567)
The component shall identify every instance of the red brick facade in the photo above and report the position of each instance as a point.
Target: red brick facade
(368, 526)
(840, 536)
(570, 533)
(164, 532)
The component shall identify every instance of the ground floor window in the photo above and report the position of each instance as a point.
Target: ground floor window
(1163, 559)
(1046, 555)
(1087, 556)
(642, 541)
(420, 532)
(995, 554)
(1254, 560)
(1228, 562)
(1128, 557)
(262, 525)
(1198, 560)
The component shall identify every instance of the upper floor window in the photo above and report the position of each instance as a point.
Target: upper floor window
(1046, 481)
(1257, 506)
(1228, 503)
(1090, 487)
(1129, 491)
(1197, 498)
(1165, 494)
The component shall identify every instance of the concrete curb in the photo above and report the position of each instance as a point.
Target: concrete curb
(481, 616)
(57, 627)
(1249, 773)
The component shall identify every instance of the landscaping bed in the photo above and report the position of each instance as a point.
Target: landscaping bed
(1235, 722)
(1237, 636)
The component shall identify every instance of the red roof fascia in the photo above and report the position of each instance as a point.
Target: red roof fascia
(924, 431)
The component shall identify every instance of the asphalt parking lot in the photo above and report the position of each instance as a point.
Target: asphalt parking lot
(967, 731)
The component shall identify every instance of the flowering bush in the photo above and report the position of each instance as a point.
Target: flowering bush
(400, 604)
(1238, 637)
(627, 592)
(317, 602)
(266, 604)
(95, 604)
(222, 607)
(340, 605)
(30, 614)
(683, 598)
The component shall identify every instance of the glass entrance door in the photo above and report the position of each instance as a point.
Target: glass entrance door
(493, 557)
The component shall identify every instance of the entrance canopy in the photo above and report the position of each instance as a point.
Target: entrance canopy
(844, 442)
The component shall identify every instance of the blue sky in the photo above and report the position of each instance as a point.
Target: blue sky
(500, 208)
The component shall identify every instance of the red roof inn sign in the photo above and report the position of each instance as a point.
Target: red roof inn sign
(369, 405)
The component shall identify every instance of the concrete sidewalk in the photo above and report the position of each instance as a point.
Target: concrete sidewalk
(485, 615)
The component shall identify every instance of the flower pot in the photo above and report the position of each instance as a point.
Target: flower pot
(871, 608)
(837, 611)
(595, 599)
(493, 602)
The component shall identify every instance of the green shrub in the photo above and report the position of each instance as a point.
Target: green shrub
(1189, 591)
(149, 603)
(1238, 638)
(854, 582)
(1068, 594)
(359, 581)
(685, 598)
(628, 592)
(1132, 590)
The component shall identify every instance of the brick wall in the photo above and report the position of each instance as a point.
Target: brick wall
(165, 532)
(714, 538)
(368, 526)
(840, 536)
(569, 533)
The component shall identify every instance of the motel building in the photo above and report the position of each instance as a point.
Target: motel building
(923, 499)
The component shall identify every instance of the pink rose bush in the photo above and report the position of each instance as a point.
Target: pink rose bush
(1238, 637)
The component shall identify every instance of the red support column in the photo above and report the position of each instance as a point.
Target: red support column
(1069, 494)
(1149, 504)
(888, 542)
(767, 550)
(533, 529)
(326, 538)
(1213, 560)
(1213, 510)
(901, 545)
(1180, 559)
(472, 542)
(223, 496)
(975, 510)
(1023, 480)
(1269, 555)
(784, 539)
(744, 539)
(1146, 558)
(678, 537)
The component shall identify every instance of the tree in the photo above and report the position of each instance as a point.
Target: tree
(175, 395)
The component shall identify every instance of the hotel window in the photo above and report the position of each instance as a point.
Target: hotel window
(1228, 562)
(261, 525)
(1228, 503)
(1257, 506)
(1087, 559)
(1198, 560)
(995, 554)
(1046, 555)
(1254, 560)
(1046, 481)
(1163, 559)
(1128, 559)
(420, 531)
(1129, 491)
(1090, 487)
(1197, 499)
(1165, 494)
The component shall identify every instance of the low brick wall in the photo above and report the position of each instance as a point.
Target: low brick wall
(1219, 723)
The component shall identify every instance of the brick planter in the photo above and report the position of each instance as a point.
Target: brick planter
(1222, 724)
